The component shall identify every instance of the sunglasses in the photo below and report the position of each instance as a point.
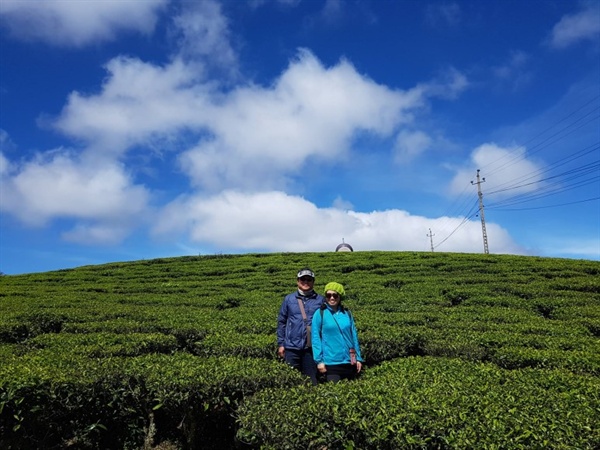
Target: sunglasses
(307, 279)
(332, 295)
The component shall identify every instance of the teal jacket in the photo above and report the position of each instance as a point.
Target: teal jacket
(333, 334)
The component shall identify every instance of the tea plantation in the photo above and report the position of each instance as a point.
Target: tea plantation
(462, 351)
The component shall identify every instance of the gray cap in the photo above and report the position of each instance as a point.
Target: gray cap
(306, 272)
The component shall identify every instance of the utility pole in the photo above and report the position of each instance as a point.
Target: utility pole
(430, 236)
(480, 195)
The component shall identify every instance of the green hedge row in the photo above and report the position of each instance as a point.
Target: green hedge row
(417, 403)
(49, 402)
(524, 347)
(132, 355)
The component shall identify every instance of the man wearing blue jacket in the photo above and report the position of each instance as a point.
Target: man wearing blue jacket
(294, 325)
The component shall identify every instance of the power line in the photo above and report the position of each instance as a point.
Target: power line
(492, 167)
(460, 225)
(548, 206)
(541, 183)
(579, 154)
(557, 185)
(453, 210)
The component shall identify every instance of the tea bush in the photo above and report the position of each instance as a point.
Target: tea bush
(415, 403)
(461, 350)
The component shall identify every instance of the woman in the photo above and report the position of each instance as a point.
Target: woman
(335, 342)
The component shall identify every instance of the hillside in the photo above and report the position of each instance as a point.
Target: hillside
(461, 350)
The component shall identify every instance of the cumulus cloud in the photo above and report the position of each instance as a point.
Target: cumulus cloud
(276, 221)
(340, 203)
(266, 131)
(238, 148)
(77, 23)
(138, 101)
(583, 25)
(58, 185)
(507, 171)
(308, 113)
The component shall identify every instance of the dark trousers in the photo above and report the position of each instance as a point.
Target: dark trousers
(339, 372)
(303, 361)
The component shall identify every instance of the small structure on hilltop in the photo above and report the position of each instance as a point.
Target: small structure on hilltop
(343, 247)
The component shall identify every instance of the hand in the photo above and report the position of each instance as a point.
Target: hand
(321, 367)
(281, 352)
(358, 366)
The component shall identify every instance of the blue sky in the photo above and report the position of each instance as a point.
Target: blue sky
(133, 130)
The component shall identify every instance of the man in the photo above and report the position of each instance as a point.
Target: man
(293, 325)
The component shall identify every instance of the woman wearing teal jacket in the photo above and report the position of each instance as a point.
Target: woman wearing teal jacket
(334, 338)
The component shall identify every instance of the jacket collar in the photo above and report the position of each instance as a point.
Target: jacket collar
(311, 294)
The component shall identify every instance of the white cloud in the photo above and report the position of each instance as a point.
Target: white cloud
(268, 132)
(97, 233)
(6, 146)
(340, 203)
(250, 138)
(202, 32)
(262, 134)
(139, 101)
(276, 221)
(242, 220)
(58, 186)
(4, 165)
(448, 85)
(6, 143)
(399, 230)
(507, 171)
(580, 26)
(410, 144)
(77, 23)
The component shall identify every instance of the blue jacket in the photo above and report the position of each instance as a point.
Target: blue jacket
(291, 328)
(333, 334)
